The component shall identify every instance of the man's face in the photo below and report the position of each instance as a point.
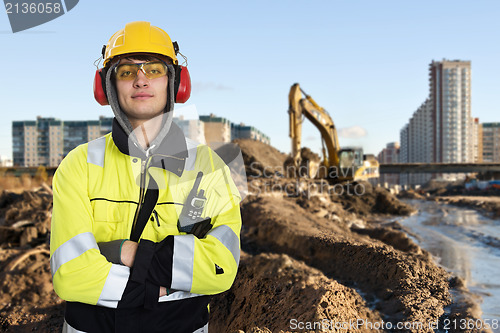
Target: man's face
(141, 98)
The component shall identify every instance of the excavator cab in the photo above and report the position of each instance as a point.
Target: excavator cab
(350, 160)
(353, 164)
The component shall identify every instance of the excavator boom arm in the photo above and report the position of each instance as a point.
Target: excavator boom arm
(300, 106)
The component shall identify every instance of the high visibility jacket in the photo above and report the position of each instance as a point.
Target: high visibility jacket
(100, 189)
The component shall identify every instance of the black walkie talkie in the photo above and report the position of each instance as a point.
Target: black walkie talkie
(193, 207)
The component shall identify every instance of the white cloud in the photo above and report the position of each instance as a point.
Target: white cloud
(352, 132)
(311, 138)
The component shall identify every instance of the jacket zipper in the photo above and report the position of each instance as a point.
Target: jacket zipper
(156, 216)
(142, 191)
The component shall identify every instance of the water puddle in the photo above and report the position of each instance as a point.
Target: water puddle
(463, 242)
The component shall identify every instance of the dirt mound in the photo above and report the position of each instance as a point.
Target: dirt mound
(28, 301)
(25, 218)
(305, 297)
(260, 158)
(364, 199)
(308, 154)
(411, 286)
(410, 194)
(393, 237)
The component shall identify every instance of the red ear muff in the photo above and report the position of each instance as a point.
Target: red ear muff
(182, 84)
(99, 91)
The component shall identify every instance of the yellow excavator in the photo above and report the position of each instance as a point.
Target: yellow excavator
(338, 164)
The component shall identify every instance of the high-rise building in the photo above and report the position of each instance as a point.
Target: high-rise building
(418, 142)
(403, 153)
(450, 98)
(420, 138)
(491, 142)
(46, 141)
(442, 129)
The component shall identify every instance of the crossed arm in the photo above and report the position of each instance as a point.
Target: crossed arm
(127, 256)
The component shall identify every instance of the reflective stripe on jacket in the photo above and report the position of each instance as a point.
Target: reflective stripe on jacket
(96, 199)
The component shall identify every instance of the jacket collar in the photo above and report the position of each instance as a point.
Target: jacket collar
(170, 155)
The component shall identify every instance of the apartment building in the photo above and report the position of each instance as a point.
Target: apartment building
(491, 142)
(46, 141)
(442, 129)
(219, 129)
(241, 131)
(403, 153)
(450, 96)
(420, 141)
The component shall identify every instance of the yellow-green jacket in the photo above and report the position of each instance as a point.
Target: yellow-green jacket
(97, 198)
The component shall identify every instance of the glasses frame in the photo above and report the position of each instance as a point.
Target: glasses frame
(140, 67)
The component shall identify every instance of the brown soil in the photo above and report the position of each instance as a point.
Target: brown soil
(314, 254)
(28, 301)
(261, 158)
(411, 194)
(282, 292)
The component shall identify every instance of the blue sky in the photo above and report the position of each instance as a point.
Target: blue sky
(366, 62)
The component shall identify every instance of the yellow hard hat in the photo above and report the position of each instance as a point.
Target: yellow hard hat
(139, 36)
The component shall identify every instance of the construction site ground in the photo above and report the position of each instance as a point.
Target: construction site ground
(316, 257)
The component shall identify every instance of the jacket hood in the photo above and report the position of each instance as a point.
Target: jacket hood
(122, 119)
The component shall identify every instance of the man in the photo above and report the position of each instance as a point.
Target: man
(145, 223)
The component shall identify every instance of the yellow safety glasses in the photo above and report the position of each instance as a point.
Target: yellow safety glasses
(151, 70)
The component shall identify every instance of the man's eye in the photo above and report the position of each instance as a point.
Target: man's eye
(125, 73)
(156, 69)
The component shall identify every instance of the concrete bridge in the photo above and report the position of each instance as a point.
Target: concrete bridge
(440, 167)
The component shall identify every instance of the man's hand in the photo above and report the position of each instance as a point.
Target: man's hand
(163, 291)
(128, 251)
